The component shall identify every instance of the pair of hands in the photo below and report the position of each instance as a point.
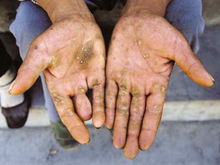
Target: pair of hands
(143, 48)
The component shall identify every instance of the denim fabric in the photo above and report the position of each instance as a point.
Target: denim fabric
(186, 16)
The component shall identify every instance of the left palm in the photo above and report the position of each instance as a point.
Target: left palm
(139, 64)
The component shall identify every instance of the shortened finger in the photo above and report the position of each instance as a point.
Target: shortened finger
(70, 119)
(83, 106)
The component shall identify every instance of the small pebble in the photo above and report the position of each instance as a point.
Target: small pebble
(53, 151)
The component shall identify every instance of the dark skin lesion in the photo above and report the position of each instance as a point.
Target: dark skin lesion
(123, 90)
(135, 102)
(54, 62)
(123, 109)
(95, 83)
(58, 100)
(85, 54)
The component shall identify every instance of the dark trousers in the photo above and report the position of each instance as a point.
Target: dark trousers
(5, 60)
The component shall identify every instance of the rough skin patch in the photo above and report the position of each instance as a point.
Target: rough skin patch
(160, 88)
(138, 43)
(57, 98)
(123, 113)
(85, 54)
(54, 62)
(95, 84)
(69, 111)
(81, 90)
(123, 90)
(146, 56)
(123, 106)
(135, 102)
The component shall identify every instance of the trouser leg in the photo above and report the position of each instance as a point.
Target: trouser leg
(30, 22)
(186, 16)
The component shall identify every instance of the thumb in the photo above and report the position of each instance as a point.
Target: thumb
(35, 62)
(191, 65)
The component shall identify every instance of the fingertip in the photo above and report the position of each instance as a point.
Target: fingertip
(146, 139)
(117, 145)
(99, 119)
(118, 140)
(129, 156)
(195, 70)
(208, 81)
(86, 117)
(16, 89)
(10, 90)
(109, 121)
(88, 142)
(108, 125)
(82, 137)
(131, 148)
(85, 141)
(83, 107)
(212, 82)
(22, 83)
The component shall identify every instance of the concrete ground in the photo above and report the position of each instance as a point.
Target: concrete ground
(177, 143)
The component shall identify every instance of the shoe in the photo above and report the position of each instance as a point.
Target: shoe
(16, 116)
(63, 137)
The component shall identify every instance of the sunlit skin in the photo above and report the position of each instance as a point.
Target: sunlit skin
(71, 53)
(140, 59)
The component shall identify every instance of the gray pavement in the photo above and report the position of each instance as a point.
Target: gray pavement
(177, 143)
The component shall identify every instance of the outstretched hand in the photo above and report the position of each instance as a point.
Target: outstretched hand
(71, 54)
(143, 49)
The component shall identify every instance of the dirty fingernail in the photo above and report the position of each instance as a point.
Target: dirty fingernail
(10, 88)
(213, 80)
(98, 127)
(88, 142)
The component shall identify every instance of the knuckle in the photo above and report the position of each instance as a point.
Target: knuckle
(110, 102)
(98, 106)
(134, 129)
(110, 95)
(82, 89)
(136, 116)
(65, 114)
(124, 106)
(123, 113)
(149, 129)
(156, 109)
(99, 99)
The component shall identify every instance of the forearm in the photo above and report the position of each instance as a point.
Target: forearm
(61, 9)
(153, 6)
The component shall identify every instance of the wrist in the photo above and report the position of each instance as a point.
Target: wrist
(58, 10)
(157, 7)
